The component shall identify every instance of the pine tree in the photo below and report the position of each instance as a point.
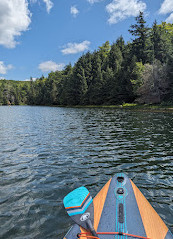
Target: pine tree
(140, 31)
(167, 40)
(104, 50)
(96, 86)
(115, 58)
(87, 65)
(67, 87)
(121, 44)
(157, 40)
(110, 87)
(32, 94)
(80, 82)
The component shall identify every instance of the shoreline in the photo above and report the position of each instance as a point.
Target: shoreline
(126, 106)
(131, 106)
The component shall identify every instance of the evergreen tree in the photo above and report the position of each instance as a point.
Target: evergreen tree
(79, 81)
(167, 41)
(104, 50)
(31, 98)
(121, 44)
(136, 73)
(87, 65)
(159, 43)
(140, 31)
(67, 94)
(110, 75)
(109, 85)
(115, 58)
(96, 86)
(17, 100)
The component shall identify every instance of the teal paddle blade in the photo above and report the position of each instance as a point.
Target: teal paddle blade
(77, 201)
(79, 206)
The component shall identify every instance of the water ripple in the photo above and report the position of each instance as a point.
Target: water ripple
(45, 152)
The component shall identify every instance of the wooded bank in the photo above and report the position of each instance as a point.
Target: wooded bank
(139, 71)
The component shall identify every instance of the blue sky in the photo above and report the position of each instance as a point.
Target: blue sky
(39, 36)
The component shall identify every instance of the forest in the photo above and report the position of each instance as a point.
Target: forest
(139, 71)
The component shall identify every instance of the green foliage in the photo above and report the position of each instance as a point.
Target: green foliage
(95, 87)
(139, 44)
(12, 92)
(129, 105)
(117, 73)
(162, 38)
(104, 50)
(137, 73)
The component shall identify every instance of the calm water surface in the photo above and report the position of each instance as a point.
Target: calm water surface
(45, 152)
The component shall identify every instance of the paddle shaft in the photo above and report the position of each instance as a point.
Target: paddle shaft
(91, 228)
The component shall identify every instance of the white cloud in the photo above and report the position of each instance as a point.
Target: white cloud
(4, 68)
(49, 5)
(50, 66)
(121, 9)
(74, 11)
(15, 18)
(94, 1)
(73, 48)
(167, 7)
(170, 18)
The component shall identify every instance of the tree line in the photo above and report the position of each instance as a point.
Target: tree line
(137, 71)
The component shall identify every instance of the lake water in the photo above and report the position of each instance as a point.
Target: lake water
(45, 152)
